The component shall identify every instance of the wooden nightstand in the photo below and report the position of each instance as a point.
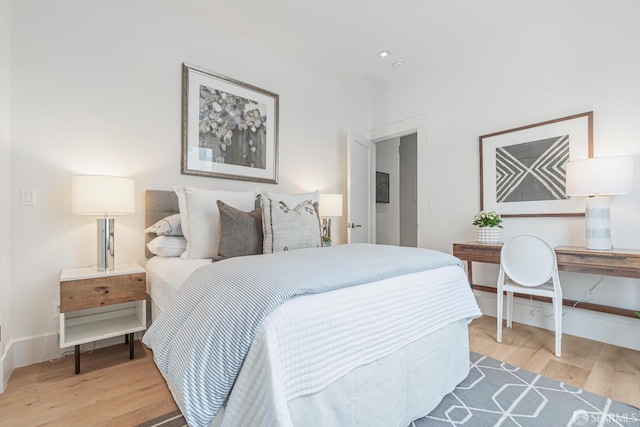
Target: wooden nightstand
(95, 305)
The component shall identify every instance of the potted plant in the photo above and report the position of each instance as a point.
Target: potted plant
(488, 224)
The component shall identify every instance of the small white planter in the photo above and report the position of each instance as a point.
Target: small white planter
(488, 234)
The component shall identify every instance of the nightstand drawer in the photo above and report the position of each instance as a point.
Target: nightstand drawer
(101, 291)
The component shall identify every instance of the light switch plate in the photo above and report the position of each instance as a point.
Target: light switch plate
(28, 197)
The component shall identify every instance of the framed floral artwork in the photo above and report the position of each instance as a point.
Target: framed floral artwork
(229, 128)
(523, 170)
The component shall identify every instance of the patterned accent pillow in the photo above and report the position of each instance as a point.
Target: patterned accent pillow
(288, 228)
(169, 226)
(288, 198)
(240, 232)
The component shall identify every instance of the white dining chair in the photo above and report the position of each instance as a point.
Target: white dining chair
(528, 265)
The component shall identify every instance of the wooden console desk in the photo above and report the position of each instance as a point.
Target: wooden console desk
(621, 263)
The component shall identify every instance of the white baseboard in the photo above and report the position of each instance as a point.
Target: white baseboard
(27, 351)
(6, 367)
(593, 325)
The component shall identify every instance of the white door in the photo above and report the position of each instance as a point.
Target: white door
(361, 202)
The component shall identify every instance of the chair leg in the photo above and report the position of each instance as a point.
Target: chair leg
(509, 309)
(499, 315)
(557, 317)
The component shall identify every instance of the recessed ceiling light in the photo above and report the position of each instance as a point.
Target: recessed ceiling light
(383, 53)
(398, 64)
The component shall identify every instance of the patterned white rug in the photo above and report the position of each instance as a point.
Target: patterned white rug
(499, 394)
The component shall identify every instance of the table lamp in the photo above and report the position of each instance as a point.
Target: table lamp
(330, 206)
(598, 177)
(103, 195)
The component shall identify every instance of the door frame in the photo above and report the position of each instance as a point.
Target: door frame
(417, 125)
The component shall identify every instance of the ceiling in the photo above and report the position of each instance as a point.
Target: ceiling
(343, 37)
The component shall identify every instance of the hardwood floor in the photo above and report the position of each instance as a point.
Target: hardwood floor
(600, 368)
(112, 390)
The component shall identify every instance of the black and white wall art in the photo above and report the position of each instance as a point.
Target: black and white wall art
(382, 187)
(523, 170)
(229, 128)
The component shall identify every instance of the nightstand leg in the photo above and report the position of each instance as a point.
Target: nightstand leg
(77, 359)
(130, 346)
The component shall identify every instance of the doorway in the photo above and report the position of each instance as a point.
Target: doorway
(409, 126)
(396, 203)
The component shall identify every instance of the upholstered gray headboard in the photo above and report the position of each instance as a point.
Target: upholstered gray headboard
(158, 204)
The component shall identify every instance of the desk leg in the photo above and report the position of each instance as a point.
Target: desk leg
(470, 273)
(77, 357)
(130, 346)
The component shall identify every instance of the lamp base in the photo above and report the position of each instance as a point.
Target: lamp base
(597, 224)
(326, 227)
(105, 244)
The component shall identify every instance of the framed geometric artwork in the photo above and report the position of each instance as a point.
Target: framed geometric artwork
(229, 128)
(522, 170)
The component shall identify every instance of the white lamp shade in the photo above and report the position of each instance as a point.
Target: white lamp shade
(102, 195)
(599, 176)
(331, 205)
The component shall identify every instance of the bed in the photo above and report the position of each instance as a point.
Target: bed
(382, 351)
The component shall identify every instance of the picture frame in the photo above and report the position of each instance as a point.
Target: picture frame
(522, 170)
(382, 187)
(229, 128)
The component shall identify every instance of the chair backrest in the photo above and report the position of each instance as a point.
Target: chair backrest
(528, 260)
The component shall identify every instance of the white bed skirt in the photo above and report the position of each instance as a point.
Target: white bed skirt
(427, 370)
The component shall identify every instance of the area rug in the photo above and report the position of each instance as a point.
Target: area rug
(499, 394)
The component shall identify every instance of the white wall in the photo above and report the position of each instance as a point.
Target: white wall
(5, 189)
(505, 64)
(96, 88)
(388, 214)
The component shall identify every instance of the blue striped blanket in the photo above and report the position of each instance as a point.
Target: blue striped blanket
(202, 337)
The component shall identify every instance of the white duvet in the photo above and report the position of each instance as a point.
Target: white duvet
(299, 351)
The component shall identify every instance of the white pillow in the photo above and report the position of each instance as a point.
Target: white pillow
(200, 217)
(169, 226)
(182, 206)
(292, 200)
(285, 228)
(167, 245)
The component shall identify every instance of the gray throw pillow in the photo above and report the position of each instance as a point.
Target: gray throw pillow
(286, 228)
(240, 232)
